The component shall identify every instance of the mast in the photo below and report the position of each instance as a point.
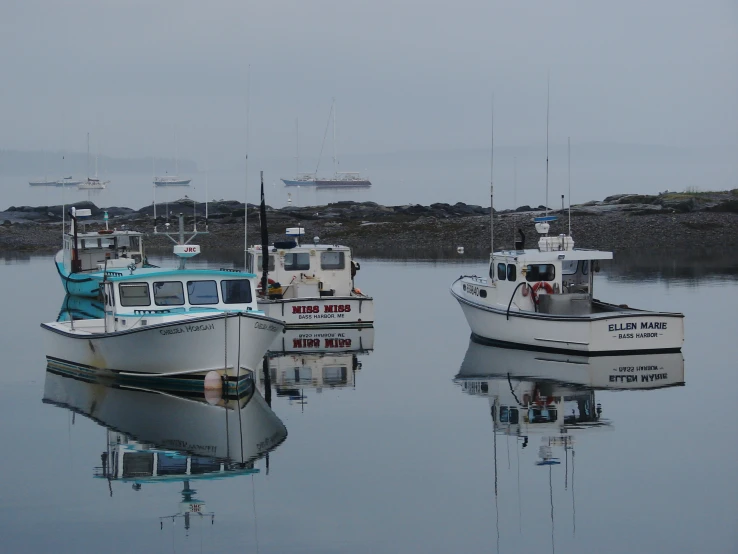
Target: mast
(176, 155)
(246, 180)
(492, 183)
(568, 159)
(297, 148)
(548, 94)
(335, 159)
(88, 155)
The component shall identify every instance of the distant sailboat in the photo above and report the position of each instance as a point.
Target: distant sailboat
(172, 180)
(92, 183)
(340, 179)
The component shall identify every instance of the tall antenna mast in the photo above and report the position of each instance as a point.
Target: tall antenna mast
(88, 154)
(335, 159)
(548, 94)
(515, 192)
(246, 181)
(568, 157)
(492, 183)
(297, 147)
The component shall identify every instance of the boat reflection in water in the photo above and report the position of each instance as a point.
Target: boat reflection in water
(314, 358)
(545, 402)
(155, 436)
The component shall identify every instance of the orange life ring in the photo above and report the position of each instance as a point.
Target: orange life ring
(540, 285)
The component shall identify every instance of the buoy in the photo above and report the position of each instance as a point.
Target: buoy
(459, 249)
(213, 385)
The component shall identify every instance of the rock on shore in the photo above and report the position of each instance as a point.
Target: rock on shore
(668, 220)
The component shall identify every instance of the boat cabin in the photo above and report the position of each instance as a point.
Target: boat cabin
(556, 278)
(300, 271)
(98, 250)
(146, 295)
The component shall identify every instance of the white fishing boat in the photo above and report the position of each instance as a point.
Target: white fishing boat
(311, 285)
(87, 255)
(543, 298)
(184, 323)
(167, 180)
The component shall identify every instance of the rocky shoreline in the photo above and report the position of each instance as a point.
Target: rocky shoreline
(689, 220)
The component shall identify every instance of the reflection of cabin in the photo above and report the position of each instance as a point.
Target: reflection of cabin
(129, 460)
(522, 407)
(315, 371)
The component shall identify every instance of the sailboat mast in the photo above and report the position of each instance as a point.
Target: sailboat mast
(176, 155)
(297, 147)
(335, 159)
(88, 154)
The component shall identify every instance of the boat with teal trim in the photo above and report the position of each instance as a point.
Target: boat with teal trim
(160, 324)
(87, 255)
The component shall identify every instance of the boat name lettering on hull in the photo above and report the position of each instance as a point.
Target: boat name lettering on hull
(637, 335)
(267, 326)
(633, 326)
(630, 369)
(644, 378)
(327, 309)
(472, 289)
(315, 343)
(188, 329)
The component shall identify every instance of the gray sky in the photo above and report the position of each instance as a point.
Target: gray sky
(407, 75)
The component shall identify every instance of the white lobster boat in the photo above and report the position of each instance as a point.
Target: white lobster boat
(311, 285)
(180, 324)
(86, 256)
(543, 299)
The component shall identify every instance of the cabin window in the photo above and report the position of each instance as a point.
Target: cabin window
(541, 272)
(332, 260)
(107, 243)
(236, 291)
(296, 261)
(509, 415)
(202, 292)
(585, 267)
(569, 267)
(135, 244)
(501, 272)
(169, 293)
(90, 243)
(134, 294)
(270, 263)
(512, 272)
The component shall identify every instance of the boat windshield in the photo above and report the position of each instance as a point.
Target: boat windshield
(236, 291)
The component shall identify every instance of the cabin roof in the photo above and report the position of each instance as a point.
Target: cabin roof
(149, 273)
(302, 248)
(535, 255)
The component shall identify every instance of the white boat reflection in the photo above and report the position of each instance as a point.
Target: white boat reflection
(541, 404)
(155, 436)
(316, 359)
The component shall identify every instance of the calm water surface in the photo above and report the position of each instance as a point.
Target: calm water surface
(397, 451)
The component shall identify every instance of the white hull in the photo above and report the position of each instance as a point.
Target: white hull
(238, 430)
(623, 371)
(618, 331)
(165, 346)
(325, 311)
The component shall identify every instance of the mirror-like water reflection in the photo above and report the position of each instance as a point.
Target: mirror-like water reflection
(402, 438)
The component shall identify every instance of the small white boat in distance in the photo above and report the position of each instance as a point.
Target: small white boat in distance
(171, 181)
(311, 285)
(182, 323)
(544, 299)
(43, 183)
(93, 183)
(68, 182)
